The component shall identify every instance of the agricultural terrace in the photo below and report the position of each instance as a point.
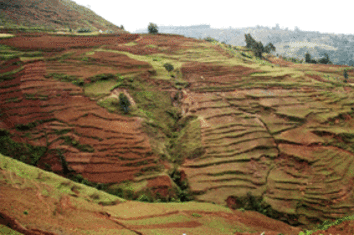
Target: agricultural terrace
(223, 127)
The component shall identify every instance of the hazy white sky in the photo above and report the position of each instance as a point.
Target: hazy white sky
(308, 15)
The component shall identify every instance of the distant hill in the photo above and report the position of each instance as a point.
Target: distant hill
(289, 43)
(51, 15)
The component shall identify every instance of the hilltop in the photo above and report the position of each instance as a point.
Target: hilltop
(52, 15)
(224, 127)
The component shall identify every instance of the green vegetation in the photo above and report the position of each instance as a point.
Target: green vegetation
(124, 102)
(24, 152)
(102, 77)
(152, 28)
(66, 78)
(7, 231)
(188, 143)
(100, 88)
(169, 67)
(84, 30)
(345, 74)
(257, 47)
(324, 60)
(10, 75)
(72, 142)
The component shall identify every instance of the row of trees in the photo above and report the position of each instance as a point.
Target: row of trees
(257, 47)
(324, 60)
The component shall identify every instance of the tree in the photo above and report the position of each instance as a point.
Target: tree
(169, 67)
(345, 74)
(153, 29)
(325, 59)
(250, 42)
(121, 27)
(307, 57)
(269, 47)
(124, 102)
(258, 49)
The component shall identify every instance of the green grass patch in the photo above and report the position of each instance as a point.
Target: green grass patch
(62, 57)
(188, 144)
(156, 61)
(110, 103)
(66, 78)
(8, 231)
(76, 144)
(60, 185)
(100, 88)
(10, 75)
(24, 152)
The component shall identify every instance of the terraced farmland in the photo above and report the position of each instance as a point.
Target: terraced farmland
(265, 145)
(221, 128)
(101, 146)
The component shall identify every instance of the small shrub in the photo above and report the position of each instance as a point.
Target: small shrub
(169, 67)
(84, 30)
(196, 215)
(124, 102)
(95, 196)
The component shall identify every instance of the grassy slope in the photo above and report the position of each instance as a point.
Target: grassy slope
(78, 203)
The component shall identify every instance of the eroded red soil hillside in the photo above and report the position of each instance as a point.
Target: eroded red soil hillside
(245, 133)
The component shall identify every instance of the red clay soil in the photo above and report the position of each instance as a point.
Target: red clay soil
(122, 150)
(161, 185)
(165, 44)
(45, 42)
(204, 73)
(120, 61)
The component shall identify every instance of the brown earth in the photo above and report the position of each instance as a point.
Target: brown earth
(44, 42)
(153, 44)
(103, 147)
(267, 148)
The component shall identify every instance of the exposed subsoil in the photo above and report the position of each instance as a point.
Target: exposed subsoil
(44, 42)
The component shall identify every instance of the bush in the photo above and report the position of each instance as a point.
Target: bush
(210, 39)
(169, 67)
(345, 74)
(153, 29)
(124, 102)
(84, 30)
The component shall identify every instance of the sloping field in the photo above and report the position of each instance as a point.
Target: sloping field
(153, 44)
(221, 128)
(102, 147)
(44, 42)
(255, 142)
(38, 202)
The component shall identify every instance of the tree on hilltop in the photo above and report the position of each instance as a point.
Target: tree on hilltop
(250, 42)
(153, 29)
(258, 49)
(269, 47)
(307, 57)
(325, 59)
